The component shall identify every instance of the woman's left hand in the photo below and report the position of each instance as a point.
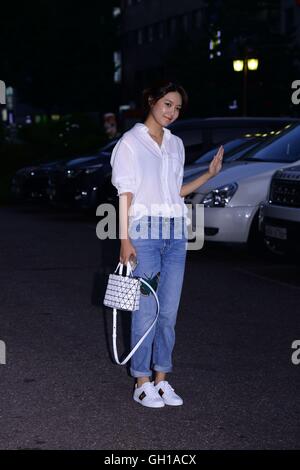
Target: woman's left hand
(216, 163)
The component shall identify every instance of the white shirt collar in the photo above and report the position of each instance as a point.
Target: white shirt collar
(144, 128)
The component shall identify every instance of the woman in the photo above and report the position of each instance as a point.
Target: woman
(147, 171)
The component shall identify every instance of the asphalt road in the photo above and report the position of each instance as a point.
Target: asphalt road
(60, 388)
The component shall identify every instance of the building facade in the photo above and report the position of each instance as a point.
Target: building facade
(290, 18)
(148, 30)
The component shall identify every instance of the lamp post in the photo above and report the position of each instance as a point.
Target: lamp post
(243, 65)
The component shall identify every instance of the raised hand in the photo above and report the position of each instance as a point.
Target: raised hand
(216, 163)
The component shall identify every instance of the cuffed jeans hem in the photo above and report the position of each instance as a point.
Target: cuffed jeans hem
(136, 373)
(162, 369)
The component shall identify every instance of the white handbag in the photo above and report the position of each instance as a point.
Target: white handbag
(123, 293)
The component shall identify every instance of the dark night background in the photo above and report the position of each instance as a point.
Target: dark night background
(68, 64)
(59, 55)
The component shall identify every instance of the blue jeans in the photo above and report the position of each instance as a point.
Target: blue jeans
(161, 262)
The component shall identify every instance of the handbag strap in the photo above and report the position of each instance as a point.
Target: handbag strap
(114, 335)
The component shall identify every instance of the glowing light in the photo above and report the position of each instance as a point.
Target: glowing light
(252, 64)
(238, 65)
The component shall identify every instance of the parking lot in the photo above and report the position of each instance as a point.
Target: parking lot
(238, 317)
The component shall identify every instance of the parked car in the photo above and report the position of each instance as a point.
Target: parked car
(201, 135)
(232, 198)
(279, 216)
(30, 183)
(67, 185)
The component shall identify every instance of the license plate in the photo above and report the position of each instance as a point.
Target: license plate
(276, 232)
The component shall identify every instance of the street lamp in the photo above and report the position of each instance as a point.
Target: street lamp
(244, 65)
(252, 64)
(238, 65)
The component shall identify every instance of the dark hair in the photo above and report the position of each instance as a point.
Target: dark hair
(159, 89)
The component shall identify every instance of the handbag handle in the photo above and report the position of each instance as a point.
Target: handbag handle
(128, 268)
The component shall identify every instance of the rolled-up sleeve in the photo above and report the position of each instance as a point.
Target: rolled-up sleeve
(123, 168)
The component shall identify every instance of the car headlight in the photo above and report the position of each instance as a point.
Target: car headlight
(92, 169)
(72, 173)
(25, 171)
(221, 196)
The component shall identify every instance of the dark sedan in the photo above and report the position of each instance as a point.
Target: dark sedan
(83, 182)
(30, 183)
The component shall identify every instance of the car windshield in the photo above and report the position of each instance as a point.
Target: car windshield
(233, 149)
(283, 147)
(80, 160)
(108, 147)
(238, 153)
(232, 144)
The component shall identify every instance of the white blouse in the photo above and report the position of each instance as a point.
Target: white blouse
(153, 174)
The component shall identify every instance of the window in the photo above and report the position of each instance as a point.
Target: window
(116, 12)
(289, 19)
(150, 33)
(197, 19)
(161, 28)
(118, 67)
(130, 38)
(156, 31)
(140, 37)
(173, 25)
(185, 23)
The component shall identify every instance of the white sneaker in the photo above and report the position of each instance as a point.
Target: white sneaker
(147, 395)
(167, 393)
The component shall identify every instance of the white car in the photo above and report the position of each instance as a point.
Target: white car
(232, 198)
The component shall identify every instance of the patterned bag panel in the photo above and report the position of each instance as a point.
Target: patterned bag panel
(122, 292)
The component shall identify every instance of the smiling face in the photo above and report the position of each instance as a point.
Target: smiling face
(167, 108)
